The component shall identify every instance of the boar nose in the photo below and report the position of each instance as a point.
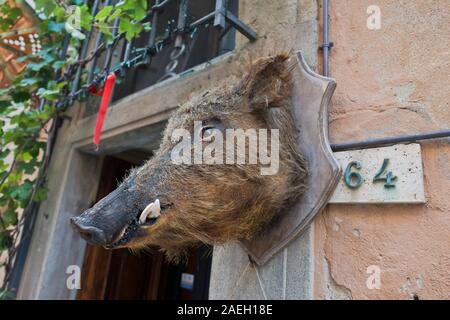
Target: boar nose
(91, 234)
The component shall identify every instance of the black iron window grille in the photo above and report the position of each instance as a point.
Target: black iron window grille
(176, 25)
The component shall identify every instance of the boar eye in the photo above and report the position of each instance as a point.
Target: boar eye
(207, 133)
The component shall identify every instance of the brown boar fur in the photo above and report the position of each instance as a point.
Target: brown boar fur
(214, 204)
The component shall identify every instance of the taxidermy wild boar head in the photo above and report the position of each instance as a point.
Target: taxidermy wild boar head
(175, 203)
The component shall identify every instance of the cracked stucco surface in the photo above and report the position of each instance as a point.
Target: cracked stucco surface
(391, 81)
(288, 275)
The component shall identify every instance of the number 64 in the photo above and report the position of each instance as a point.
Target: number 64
(354, 180)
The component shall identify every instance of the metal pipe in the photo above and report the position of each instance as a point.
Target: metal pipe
(326, 46)
(219, 19)
(94, 60)
(160, 5)
(209, 17)
(98, 40)
(62, 56)
(240, 26)
(181, 23)
(110, 51)
(373, 143)
(84, 49)
(127, 53)
(154, 13)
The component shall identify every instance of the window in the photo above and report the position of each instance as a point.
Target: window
(184, 53)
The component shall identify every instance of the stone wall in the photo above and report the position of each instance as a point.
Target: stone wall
(391, 81)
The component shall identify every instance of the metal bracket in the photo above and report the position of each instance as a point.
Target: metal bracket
(328, 45)
(222, 15)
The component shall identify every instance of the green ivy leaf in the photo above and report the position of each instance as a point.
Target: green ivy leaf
(103, 13)
(3, 244)
(28, 168)
(20, 96)
(21, 193)
(147, 26)
(24, 58)
(139, 12)
(55, 26)
(48, 93)
(114, 15)
(40, 195)
(4, 153)
(26, 156)
(9, 16)
(130, 29)
(29, 81)
(4, 105)
(59, 13)
(104, 28)
(37, 66)
(46, 6)
(74, 32)
(10, 217)
(58, 64)
(86, 18)
(3, 202)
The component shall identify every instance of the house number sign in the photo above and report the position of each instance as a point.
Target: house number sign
(381, 175)
(350, 175)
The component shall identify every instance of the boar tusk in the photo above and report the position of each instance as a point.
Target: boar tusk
(153, 210)
(145, 213)
(156, 212)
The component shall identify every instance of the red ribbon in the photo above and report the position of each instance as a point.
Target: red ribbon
(105, 93)
(94, 90)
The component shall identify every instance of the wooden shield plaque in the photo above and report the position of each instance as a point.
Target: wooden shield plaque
(310, 99)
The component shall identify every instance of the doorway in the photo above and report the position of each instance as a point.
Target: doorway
(122, 275)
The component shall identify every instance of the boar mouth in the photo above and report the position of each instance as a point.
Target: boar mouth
(105, 227)
(147, 218)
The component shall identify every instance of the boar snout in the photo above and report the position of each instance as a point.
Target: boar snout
(92, 235)
(113, 218)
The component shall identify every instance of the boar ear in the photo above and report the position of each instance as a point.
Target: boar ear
(268, 83)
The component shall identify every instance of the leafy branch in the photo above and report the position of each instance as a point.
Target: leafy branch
(29, 109)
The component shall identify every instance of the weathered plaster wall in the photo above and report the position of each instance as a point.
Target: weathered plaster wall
(390, 81)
